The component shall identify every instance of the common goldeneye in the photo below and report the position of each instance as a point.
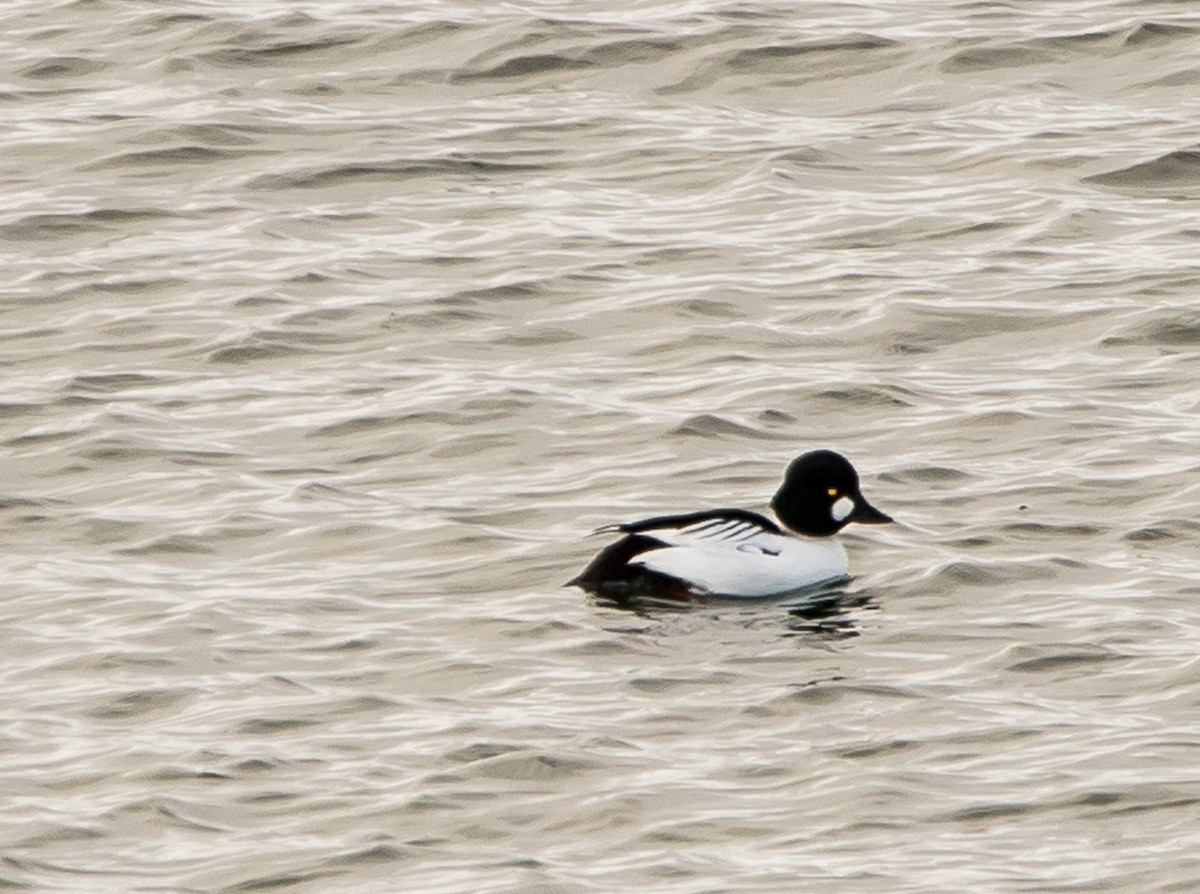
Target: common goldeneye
(733, 552)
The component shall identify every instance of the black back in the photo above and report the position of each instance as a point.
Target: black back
(691, 518)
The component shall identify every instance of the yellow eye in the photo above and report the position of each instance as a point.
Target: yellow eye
(832, 491)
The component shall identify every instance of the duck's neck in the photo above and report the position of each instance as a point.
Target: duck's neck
(806, 517)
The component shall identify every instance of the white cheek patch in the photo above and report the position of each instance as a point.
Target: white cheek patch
(842, 508)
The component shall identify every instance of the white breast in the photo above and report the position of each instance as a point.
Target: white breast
(735, 558)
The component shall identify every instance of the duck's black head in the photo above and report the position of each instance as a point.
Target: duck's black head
(820, 496)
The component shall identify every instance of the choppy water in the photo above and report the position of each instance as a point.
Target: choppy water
(330, 330)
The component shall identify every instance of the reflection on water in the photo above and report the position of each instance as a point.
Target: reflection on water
(829, 609)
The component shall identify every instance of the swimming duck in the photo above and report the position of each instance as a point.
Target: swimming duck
(737, 553)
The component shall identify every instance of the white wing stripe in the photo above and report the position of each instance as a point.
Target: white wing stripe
(732, 531)
(722, 529)
(720, 533)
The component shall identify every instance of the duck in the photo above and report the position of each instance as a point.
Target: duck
(737, 553)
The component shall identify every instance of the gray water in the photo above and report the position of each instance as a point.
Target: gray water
(330, 330)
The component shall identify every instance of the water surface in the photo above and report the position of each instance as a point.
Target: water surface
(329, 332)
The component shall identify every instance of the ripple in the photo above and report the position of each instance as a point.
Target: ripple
(1175, 169)
(274, 51)
(36, 227)
(398, 170)
(978, 59)
(1156, 33)
(57, 67)
(1171, 331)
(1055, 659)
(329, 337)
(137, 703)
(707, 425)
(174, 155)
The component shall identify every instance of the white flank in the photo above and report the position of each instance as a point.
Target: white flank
(737, 558)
